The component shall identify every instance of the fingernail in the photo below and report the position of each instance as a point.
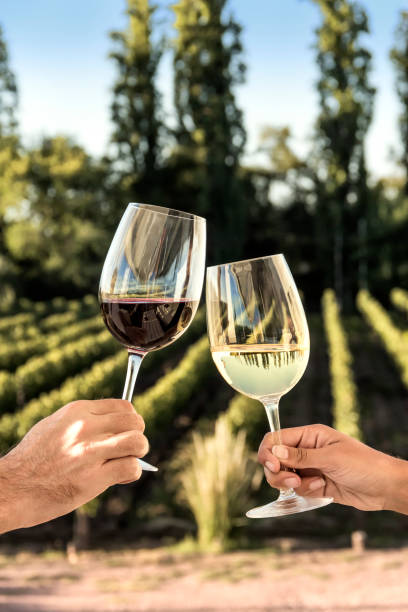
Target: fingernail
(290, 483)
(268, 473)
(280, 451)
(316, 484)
(271, 467)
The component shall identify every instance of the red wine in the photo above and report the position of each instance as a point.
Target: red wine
(146, 325)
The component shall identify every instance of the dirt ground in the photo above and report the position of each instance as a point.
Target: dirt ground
(162, 580)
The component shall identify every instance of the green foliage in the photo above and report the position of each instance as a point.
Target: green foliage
(58, 320)
(8, 93)
(399, 57)
(45, 372)
(32, 324)
(394, 340)
(399, 298)
(135, 109)
(23, 318)
(346, 101)
(8, 392)
(13, 186)
(160, 404)
(89, 303)
(16, 353)
(346, 412)
(55, 235)
(210, 132)
(246, 413)
(215, 477)
(274, 141)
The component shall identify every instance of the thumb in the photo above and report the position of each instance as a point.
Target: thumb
(298, 457)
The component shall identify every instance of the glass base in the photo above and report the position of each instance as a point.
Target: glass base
(147, 467)
(288, 504)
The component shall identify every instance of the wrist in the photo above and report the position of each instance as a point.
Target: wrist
(11, 497)
(397, 493)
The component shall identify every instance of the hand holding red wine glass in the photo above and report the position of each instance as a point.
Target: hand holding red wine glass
(151, 281)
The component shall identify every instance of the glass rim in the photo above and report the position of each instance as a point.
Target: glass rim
(241, 261)
(178, 214)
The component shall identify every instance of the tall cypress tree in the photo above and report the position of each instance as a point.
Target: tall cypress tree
(8, 93)
(135, 109)
(210, 130)
(12, 165)
(346, 99)
(399, 57)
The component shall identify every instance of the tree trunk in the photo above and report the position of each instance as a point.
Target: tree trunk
(81, 530)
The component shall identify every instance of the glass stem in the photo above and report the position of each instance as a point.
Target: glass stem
(272, 412)
(134, 361)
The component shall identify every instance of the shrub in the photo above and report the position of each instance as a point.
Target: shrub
(16, 353)
(346, 412)
(215, 478)
(160, 404)
(399, 298)
(45, 372)
(246, 413)
(394, 340)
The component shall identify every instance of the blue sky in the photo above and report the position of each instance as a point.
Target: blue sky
(59, 51)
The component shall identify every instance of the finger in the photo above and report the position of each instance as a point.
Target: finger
(272, 463)
(118, 422)
(106, 406)
(265, 452)
(282, 480)
(128, 443)
(309, 436)
(122, 470)
(294, 436)
(312, 487)
(301, 457)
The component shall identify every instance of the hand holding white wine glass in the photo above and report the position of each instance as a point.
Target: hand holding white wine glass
(151, 282)
(260, 344)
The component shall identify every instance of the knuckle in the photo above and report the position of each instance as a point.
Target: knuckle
(138, 444)
(144, 442)
(140, 424)
(133, 469)
(124, 405)
(320, 427)
(138, 471)
(134, 444)
(73, 406)
(131, 422)
(111, 404)
(301, 455)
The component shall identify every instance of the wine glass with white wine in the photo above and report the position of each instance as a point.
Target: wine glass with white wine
(260, 344)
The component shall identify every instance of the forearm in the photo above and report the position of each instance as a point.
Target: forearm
(397, 494)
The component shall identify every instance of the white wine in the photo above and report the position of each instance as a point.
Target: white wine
(261, 370)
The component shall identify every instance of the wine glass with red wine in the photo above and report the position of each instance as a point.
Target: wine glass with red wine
(151, 282)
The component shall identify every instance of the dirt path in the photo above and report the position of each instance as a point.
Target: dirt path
(159, 581)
